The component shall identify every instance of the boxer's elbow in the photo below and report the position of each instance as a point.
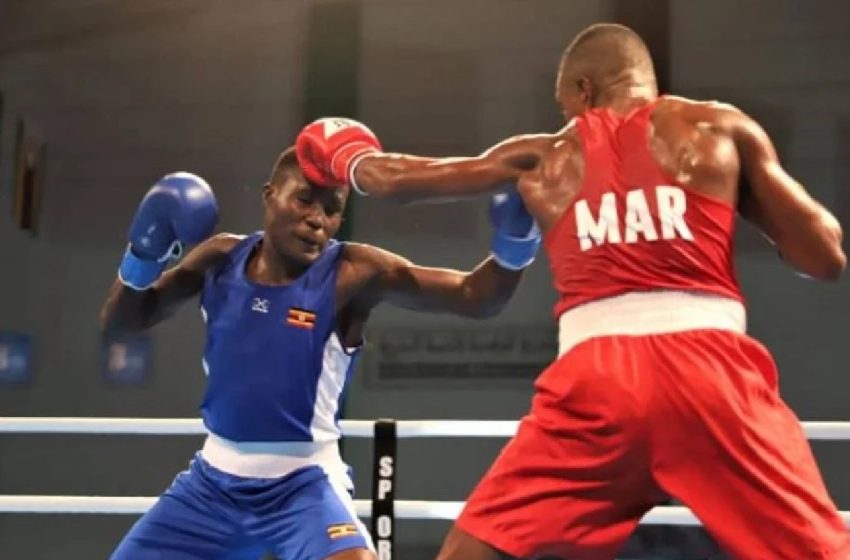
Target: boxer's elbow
(834, 265)
(833, 260)
(822, 257)
(112, 325)
(825, 270)
(838, 269)
(110, 328)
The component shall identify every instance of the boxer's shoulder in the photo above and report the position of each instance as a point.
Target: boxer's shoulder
(696, 111)
(212, 252)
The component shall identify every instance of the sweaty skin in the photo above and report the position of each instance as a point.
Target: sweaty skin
(706, 147)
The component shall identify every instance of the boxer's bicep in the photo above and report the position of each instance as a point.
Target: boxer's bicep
(774, 201)
(806, 234)
(479, 293)
(437, 290)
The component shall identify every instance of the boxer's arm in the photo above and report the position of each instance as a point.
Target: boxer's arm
(409, 178)
(806, 234)
(127, 310)
(387, 277)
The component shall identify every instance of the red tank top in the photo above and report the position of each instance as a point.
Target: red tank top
(632, 228)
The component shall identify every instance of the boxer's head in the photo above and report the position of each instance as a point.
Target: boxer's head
(603, 62)
(300, 217)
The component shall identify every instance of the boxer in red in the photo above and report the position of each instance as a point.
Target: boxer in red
(657, 389)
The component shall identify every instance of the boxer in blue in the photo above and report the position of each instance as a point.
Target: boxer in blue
(285, 310)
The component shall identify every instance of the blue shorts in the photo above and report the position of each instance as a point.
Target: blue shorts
(207, 513)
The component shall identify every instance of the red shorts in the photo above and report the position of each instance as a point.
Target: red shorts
(619, 422)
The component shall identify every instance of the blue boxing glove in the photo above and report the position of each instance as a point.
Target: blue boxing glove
(180, 209)
(516, 237)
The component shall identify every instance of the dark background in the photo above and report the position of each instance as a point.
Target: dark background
(123, 92)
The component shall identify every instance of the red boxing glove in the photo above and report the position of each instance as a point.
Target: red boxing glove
(328, 148)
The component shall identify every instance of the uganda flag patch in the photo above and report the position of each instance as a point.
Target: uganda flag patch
(342, 530)
(301, 318)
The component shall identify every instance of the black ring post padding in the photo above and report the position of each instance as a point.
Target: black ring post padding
(383, 488)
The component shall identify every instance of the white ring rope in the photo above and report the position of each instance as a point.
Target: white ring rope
(350, 428)
(404, 509)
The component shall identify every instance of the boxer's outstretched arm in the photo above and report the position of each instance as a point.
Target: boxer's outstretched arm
(336, 151)
(388, 277)
(807, 235)
(409, 178)
(127, 310)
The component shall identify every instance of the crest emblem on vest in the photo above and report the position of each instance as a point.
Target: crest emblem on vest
(260, 305)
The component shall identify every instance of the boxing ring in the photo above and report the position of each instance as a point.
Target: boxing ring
(383, 508)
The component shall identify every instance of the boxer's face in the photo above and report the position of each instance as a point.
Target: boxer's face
(300, 218)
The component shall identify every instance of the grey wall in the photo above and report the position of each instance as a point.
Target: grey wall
(786, 63)
(126, 92)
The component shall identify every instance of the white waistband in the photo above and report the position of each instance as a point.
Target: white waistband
(641, 313)
(272, 459)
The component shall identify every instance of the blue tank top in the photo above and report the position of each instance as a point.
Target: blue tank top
(276, 367)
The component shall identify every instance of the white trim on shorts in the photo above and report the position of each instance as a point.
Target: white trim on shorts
(643, 313)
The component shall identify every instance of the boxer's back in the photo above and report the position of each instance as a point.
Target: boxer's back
(648, 205)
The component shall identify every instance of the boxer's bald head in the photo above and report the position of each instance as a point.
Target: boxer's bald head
(599, 60)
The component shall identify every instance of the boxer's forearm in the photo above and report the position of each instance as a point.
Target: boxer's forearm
(337, 152)
(488, 288)
(411, 178)
(481, 293)
(127, 310)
